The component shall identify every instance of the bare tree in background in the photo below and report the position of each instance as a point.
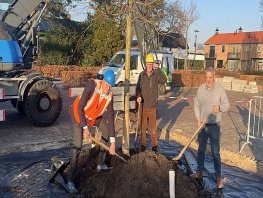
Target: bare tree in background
(173, 17)
(200, 46)
(189, 17)
(261, 10)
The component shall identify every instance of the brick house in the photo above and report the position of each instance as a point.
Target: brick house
(236, 51)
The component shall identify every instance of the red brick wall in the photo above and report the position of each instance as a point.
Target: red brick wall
(188, 78)
(71, 75)
(78, 76)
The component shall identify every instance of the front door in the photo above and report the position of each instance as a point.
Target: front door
(219, 63)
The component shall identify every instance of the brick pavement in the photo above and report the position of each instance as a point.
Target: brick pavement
(176, 121)
(18, 134)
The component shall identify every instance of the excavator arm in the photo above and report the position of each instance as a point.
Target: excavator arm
(20, 22)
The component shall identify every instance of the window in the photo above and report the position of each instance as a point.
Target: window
(235, 49)
(4, 7)
(134, 62)
(117, 61)
(247, 48)
(232, 65)
(212, 51)
(223, 48)
(258, 48)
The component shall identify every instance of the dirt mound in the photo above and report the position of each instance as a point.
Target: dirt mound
(144, 175)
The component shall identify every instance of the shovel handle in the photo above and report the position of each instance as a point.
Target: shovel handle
(105, 147)
(138, 121)
(178, 157)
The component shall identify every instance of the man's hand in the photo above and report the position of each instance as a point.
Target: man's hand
(86, 134)
(139, 99)
(112, 148)
(216, 108)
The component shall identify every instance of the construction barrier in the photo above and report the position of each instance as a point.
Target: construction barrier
(2, 112)
(255, 121)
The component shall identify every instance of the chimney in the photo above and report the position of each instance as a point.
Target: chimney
(240, 29)
(216, 31)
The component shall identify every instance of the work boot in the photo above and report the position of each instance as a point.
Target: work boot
(197, 175)
(143, 148)
(154, 149)
(220, 183)
(72, 188)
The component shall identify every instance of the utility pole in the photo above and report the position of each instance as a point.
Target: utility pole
(126, 124)
(196, 33)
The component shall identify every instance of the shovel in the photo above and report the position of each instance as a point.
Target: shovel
(138, 123)
(105, 147)
(190, 141)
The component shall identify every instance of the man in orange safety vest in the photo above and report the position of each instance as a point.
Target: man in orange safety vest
(93, 108)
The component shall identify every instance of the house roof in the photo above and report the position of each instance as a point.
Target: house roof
(239, 37)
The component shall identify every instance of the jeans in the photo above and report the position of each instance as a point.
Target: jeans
(78, 139)
(211, 131)
(151, 114)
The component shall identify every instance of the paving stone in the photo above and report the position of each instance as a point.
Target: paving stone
(175, 113)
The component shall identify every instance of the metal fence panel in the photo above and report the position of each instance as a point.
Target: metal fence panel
(255, 121)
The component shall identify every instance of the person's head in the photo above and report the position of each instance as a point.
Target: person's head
(149, 62)
(108, 81)
(210, 77)
(156, 64)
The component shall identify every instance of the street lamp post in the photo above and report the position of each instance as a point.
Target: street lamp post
(196, 33)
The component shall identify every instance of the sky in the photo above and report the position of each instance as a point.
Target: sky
(226, 15)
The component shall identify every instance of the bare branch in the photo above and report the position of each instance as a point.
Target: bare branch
(261, 10)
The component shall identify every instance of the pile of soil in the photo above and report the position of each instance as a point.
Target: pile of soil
(145, 174)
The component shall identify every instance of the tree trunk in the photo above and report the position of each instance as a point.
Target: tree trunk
(126, 124)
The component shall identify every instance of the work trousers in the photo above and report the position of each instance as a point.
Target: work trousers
(78, 139)
(149, 113)
(211, 131)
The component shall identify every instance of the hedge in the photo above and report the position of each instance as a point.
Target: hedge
(77, 76)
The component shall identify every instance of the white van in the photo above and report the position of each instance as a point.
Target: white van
(117, 64)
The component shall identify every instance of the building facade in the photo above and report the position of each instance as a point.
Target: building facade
(238, 51)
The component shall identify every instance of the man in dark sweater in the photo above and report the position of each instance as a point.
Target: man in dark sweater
(93, 108)
(147, 94)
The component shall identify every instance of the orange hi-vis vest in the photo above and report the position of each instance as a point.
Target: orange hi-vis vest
(95, 106)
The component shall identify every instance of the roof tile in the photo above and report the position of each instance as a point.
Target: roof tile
(235, 38)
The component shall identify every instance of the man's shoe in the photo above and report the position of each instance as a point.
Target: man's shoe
(197, 175)
(143, 148)
(220, 183)
(72, 188)
(154, 149)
